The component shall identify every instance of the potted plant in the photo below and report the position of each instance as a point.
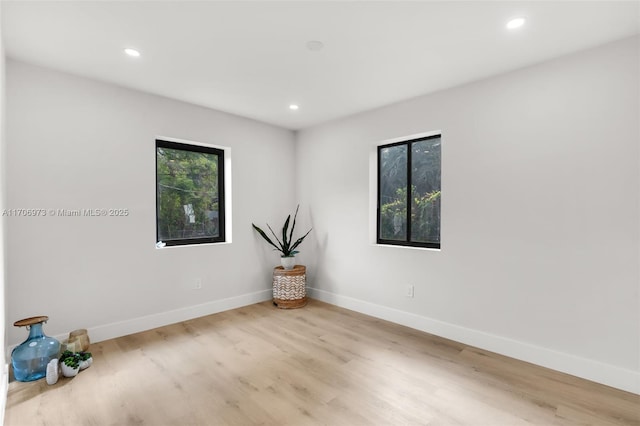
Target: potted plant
(85, 360)
(70, 364)
(287, 247)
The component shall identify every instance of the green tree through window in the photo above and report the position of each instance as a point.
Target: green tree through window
(189, 193)
(409, 192)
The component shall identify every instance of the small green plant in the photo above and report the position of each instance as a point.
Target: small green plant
(84, 356)
(286, 247)
(73, 359)
(71, 362)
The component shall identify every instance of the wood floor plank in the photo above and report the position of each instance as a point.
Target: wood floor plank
(319, 365)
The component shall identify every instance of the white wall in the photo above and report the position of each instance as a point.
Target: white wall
(3, 372)
(540, 226)
(540, 209)
(76, 143)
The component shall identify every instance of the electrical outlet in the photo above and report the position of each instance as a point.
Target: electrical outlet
(410, 291)
(198, 284)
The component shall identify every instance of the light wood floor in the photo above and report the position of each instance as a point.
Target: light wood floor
(320, 365)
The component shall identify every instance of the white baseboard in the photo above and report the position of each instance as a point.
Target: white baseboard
(620, 378)
(123, 328)
(136, 325)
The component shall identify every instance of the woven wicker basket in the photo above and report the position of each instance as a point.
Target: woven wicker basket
(289, 287)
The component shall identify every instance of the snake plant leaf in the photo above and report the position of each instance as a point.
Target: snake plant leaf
(285, 242)
(276, 237)
(299, 240)
(294, 224)
(265, 236)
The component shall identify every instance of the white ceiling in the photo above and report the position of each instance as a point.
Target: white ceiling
(251, 59)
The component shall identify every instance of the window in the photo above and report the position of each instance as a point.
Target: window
(409, 193)
(189, 193)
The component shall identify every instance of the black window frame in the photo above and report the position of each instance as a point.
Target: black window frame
(161, 143)
(407, 241)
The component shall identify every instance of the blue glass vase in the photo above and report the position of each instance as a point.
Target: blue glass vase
(30, 358)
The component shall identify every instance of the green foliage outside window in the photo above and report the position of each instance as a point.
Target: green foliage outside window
(425, 217)
(187, 194)
(422, 156)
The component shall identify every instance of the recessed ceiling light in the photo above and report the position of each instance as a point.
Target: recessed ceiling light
(315, 45)
(132, 52)
(294, 107)
(515, 23)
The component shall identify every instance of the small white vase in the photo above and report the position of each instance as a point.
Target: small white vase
(288, 262)
(68, 371)
(86, 364)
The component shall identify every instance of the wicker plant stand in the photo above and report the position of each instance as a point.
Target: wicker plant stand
(289, 287)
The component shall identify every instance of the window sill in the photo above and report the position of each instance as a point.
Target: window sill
(397, 246)
(193, 245)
